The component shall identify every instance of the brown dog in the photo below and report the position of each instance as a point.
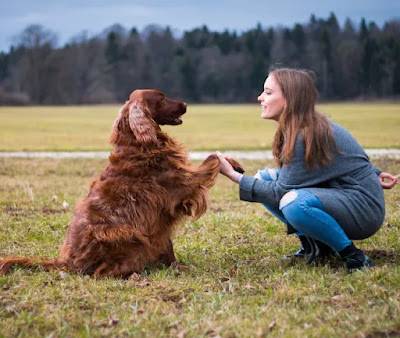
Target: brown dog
(130, 214)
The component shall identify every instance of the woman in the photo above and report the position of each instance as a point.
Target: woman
(326, 189)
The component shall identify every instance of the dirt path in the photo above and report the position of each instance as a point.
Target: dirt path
(195, 155)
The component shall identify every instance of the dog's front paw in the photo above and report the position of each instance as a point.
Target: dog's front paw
(235, 165)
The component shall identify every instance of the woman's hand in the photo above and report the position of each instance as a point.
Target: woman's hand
(227, 170)
(388, 184)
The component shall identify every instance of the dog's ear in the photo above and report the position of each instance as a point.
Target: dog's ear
(118, 126)
(142, 125)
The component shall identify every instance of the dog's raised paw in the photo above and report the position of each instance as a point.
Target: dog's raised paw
(239, 170)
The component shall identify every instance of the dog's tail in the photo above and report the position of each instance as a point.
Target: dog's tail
(30, 262)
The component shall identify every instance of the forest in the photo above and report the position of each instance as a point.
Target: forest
(353, 62)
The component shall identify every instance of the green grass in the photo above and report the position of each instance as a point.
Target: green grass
(205, 127)
(237, 285)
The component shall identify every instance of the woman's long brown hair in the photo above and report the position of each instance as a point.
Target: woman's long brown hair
(300, 118)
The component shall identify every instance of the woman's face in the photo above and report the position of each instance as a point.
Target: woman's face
(272, 100)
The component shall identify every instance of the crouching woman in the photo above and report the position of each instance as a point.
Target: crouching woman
(325, 188)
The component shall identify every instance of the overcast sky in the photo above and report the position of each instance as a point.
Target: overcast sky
(68, 18)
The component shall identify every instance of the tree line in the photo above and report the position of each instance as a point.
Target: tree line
(200, 65)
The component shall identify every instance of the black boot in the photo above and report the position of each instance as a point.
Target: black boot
(303, 251)
(311, 248)
(355, 259)
(318, 250)
(305, 248)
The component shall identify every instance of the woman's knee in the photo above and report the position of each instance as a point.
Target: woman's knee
(288, 198)
(296, 203)
(289, 206)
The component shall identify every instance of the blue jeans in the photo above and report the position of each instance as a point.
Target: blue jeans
(305, 213)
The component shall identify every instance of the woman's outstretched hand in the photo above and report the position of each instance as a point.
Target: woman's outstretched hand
(227, 170)
(388, 181)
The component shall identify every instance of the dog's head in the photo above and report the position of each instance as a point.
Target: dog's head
(143, 113)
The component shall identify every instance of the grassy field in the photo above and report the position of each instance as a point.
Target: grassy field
(205, 127)
(237, 285)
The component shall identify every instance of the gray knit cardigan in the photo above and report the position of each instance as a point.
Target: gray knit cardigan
(349, 188)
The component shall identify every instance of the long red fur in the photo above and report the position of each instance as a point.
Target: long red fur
(131, 211)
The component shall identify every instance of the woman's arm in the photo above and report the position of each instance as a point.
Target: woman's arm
(251, 188)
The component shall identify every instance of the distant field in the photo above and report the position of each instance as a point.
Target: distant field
(205, 127)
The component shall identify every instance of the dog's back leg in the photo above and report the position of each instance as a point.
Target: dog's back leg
(121, 268)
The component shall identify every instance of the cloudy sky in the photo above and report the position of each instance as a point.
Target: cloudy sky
(68, 18)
